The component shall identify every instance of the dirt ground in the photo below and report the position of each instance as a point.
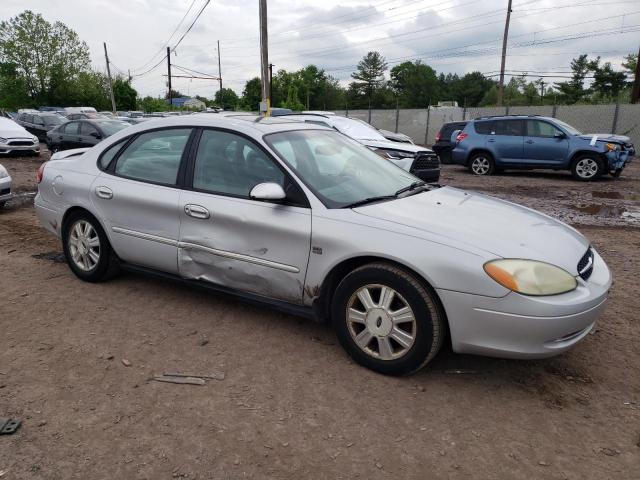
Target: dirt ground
(292, 405)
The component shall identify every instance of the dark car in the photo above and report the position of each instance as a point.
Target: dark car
(82, 133)
(488, 144)
(85, 116)
(39, 124)
(444, 145)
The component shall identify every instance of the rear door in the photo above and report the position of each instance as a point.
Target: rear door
(88, 135)
(544, 144)
(229, 239)
(67, 136)
(138, 197)
(506, 141)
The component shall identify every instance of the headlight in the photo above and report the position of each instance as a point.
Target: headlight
(612, 147)
(35, 139)
(3, 140)
(530, 277)
(3, 172)
(394, 154)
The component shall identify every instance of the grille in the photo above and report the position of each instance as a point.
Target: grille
(585, 265)
(21, 143)
(5, 191)
(425, 161)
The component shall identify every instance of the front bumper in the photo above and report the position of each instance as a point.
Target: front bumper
(519, 326)
(5, 189)
(8, 148)
(431, 175)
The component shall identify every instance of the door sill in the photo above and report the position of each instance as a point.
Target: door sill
(280, 305)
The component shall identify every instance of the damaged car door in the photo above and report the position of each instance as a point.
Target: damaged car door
(232, 239)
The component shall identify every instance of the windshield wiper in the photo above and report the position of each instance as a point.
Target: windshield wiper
(365, 201)
(411, 187)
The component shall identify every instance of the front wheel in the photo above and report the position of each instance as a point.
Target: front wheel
(482, 164)
(587, 167)
(87, 248)
(387, 320)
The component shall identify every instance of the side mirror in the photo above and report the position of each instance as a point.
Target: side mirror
(95, 135)
(559, 135)
(267, 191)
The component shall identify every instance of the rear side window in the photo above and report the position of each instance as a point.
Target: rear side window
(154, 156)
(71, 128)
(87, 129)
(484, 128)
(109, 154)
(509, 127)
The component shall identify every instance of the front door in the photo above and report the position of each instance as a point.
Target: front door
(139, 198)
(544, 144)
(229, 239)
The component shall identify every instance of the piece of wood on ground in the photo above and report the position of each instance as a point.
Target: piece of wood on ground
(211, 376)
(181, 380)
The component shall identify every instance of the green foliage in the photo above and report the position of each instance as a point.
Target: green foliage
(149, 104)
(415, 84)
(292, 101)
(252, 95)
(124, 94)
(227, 99)
(369, 74)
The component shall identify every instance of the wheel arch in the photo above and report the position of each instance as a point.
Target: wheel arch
(79, 208)
(578, 153)
(322, 304)
(478, 150)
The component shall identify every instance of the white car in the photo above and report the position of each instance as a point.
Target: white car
(14, 139)
(306, 219)
(420, 161)
(5, 186)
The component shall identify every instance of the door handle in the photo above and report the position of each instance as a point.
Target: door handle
(196, 211)
(104, 192)
(491, 140)
(529, 141)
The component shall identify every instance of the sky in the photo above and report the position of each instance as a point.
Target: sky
(457, 36)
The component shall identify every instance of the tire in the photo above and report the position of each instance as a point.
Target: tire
(587, 167)
(482, 164)
(79, 234)
(2, 204)
(369, 335)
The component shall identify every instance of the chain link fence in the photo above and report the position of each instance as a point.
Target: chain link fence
(422, 125)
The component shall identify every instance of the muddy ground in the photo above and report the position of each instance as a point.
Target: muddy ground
(292, 405)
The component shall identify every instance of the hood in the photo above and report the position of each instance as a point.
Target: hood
(498, 227)
(396, 137)
(400, 146)
(607, 137)
(10, 129)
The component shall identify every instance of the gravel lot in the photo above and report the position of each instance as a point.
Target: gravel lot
(292, 404)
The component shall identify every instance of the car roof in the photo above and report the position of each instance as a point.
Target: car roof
(514, 117)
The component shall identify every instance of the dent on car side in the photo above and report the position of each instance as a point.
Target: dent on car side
(444, 235)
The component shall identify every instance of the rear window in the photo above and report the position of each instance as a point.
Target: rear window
(484, 128)
(448, 128)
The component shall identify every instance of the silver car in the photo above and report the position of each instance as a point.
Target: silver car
(5, 186)
(309, 220)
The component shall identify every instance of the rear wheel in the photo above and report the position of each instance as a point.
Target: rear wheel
(587, 167)
(482, 164)
(87, 248)
(2, 204)
(386, 319)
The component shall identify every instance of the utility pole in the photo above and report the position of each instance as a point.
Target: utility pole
(169, 74)
(541, 91)
(504, 54)
(113, 100)
(129, 72)
(635, 91)
(270, 83)
(264, 59)
(219, 69)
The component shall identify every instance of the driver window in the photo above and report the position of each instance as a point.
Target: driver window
(230, 164)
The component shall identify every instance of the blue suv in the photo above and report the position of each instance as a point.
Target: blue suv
(490, 144)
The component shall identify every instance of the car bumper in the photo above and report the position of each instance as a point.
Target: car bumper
(5, 189)
(519, 326)
(50, 218)
(12, 149)
(458, 156)
(428, 175)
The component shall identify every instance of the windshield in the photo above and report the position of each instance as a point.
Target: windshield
(570, 130)
(111, 127)
(357, 129)
(338, 170)
(53, 119)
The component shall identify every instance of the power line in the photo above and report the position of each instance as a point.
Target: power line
(191, 26)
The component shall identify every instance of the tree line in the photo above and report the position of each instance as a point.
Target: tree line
(43, 63)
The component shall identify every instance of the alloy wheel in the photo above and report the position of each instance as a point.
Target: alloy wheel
(381, 322)
(587, 168)
(84, 245)
(480, 165)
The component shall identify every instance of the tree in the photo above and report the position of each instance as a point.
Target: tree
(13, 88)
(607, 82)
(415, 84)
(226, 99)
(150, 104)
(470, 89)
(124, 94)
(369, 74)
(630, 63)
(573, 91)
(292, 101)
(252, 94)
(48, 57)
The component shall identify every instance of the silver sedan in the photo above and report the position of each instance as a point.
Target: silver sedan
(307, 220)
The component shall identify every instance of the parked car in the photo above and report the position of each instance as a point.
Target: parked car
(130, 113)
(15, 139)
(395, 264)
(444, 143)
(70, 110)
(488, 144)
(108, 115)
(5, 187)
(39, 123)
(86, 116)
(420, 161)
(82, 133)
